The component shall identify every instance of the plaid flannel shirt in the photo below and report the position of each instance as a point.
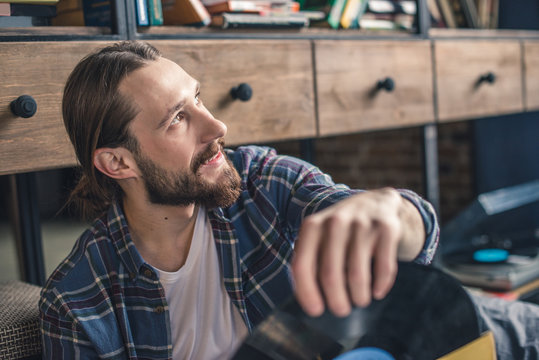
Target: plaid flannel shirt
(104, 300)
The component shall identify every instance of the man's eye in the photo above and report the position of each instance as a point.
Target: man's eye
(177, 119)
(197, 99)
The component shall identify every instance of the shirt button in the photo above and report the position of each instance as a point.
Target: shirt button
(159, 309)
(148, 273)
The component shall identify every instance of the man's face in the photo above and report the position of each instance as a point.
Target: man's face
(178, 143)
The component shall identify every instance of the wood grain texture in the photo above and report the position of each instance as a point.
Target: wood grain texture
(279, 72)
(38, 69)
(347, 73)
(460, 64)
(531, 75)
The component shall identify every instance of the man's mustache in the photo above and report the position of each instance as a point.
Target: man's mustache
(207, 154)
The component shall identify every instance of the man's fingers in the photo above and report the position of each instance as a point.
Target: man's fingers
(385, 260)
(333, 264)
(304, 268)
(359, 263)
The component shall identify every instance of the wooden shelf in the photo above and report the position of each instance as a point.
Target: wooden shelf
(55, 31)
(311, 32)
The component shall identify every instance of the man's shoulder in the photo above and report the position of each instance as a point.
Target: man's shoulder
(250, 153)
(264, 160)
(78, 269)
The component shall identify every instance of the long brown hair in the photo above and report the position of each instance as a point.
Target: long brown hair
(96, 115)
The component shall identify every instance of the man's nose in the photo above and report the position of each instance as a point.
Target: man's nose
(212, 128)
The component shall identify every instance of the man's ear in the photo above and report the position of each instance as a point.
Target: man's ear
(116, 163)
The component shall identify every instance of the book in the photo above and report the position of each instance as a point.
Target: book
(458, 13)
(392, 7)
(494, 9)
(185, 12)
(437, 19)
(353, 10)
(335, 13)
(239, 20)
(155, 12)
(387, 21)
(69, 13)
(5, 9)
(470, 13)
(24, 21)
(43, 2)
(447, 13)
(69, 18)
(19, 9)
(141, 9)
(245, 6)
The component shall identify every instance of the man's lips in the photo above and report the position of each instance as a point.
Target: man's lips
(214, 159)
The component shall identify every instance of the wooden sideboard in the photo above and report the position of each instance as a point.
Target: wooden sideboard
(302, 88)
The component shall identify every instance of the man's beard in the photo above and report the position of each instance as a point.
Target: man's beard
(186, 187)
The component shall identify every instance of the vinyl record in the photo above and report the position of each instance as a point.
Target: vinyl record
(426, 315)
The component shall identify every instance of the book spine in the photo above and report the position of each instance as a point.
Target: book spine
(5, 9)
(155, 12)
(334, 17)
(142, 12)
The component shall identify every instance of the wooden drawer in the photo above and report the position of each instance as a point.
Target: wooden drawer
(279, 73)
(531, 75)
(347, 73)
(460, 65)
(39, 70)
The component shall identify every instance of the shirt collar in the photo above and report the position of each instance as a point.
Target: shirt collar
(121, 239)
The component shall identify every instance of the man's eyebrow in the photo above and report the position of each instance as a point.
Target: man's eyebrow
(169, 113)
(175, 108)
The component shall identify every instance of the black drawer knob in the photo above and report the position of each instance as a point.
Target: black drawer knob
(489, 77)
(386, 84)
(24, 106)
(243, 92)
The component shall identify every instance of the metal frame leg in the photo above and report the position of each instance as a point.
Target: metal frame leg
(430, 165)
(25, 219)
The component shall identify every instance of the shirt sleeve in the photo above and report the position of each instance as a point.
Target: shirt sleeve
(301, 189)
(60, 334)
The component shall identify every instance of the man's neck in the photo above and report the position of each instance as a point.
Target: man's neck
(161, 234)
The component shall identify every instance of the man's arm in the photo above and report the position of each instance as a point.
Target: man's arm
(347, 253)
(59, 334)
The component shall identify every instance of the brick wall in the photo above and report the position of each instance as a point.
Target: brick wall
(394, 158)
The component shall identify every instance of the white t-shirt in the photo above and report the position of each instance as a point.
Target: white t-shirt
(204, 323)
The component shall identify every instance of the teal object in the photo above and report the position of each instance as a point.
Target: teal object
(490, 255)
(366, 353)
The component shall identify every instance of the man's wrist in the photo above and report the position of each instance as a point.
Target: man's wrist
(413, 231)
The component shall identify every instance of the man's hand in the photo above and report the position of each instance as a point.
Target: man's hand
(337, 248)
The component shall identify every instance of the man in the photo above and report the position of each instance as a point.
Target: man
(193, 245)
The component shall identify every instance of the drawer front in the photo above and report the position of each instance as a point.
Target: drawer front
(347, 74)
(460, 66)
(531, 74)
(278, 72)
(39, 70)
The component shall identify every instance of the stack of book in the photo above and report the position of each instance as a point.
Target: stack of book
(98, 13)
(389, 15)
(372, 14)
(464, 13)
(228, 14)
(17, 13)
